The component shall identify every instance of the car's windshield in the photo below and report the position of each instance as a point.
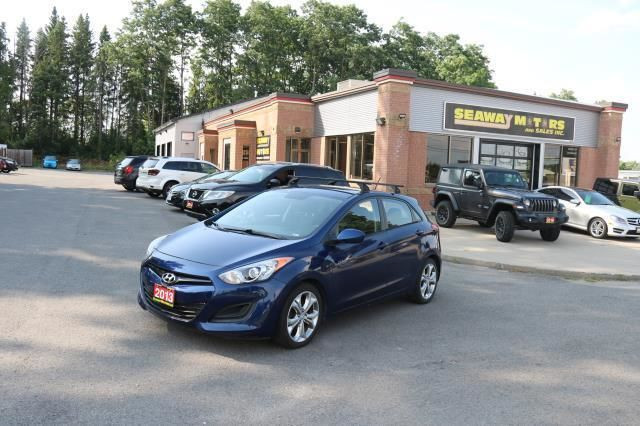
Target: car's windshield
(287, 213)
(49, 158)
(506, 178)
(593, 198)
(253, 174)
(216, 176)
(74, 161)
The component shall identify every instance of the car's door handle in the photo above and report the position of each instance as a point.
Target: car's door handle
(382, 246)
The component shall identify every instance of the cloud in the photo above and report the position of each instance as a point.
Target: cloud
(606, 21)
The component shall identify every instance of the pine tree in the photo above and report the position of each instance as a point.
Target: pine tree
(81, 61)
(23, 66)
(6, 84)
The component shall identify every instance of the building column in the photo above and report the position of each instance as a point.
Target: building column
(541, 165)
(392, 142)
(604, 160)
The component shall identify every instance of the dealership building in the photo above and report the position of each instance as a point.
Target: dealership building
(402, 128)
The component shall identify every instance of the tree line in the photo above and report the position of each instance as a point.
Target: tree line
(68, 91)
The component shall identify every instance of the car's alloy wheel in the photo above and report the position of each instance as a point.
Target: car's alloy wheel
(300, 317)
(427, 283)
(598, 228)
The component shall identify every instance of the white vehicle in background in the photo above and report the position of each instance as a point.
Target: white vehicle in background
(158, 174)
(74, 164)
(591, 211)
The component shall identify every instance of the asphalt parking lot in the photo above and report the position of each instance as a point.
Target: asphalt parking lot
(493, 347)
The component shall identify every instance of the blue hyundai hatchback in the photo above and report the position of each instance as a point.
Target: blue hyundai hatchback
(281, 262)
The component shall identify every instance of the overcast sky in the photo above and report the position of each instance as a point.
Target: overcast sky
(537, 47)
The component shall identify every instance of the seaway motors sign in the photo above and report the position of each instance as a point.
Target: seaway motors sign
(473, 118)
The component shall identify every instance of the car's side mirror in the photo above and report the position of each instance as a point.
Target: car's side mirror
(479, 184)
(637, 194)
(348, 236)
(273, 182)
(575, 201)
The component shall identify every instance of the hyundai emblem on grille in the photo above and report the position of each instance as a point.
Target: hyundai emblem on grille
(169, 278)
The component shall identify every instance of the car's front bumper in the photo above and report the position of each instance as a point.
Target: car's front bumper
(535, 220)
(175, 199)
(616, 229)
(214, 307)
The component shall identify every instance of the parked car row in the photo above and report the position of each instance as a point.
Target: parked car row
(280, 247)
(500, 198)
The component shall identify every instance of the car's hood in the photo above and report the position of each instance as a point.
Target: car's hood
(499, 191)
(610, 210)
(207, 245)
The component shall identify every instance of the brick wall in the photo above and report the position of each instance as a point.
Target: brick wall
(602, 161)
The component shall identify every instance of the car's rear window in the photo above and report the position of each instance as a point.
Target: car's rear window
(125, 161)
(151, 162)
(450, 176)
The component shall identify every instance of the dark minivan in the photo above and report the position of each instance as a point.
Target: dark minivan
(207, 199)
(126, 172)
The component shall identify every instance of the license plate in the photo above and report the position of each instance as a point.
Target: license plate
(164, 295)
(189, 204)
(550, 220)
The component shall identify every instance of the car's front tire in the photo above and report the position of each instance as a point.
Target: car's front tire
(505, 226)
(426, 283)
(300, 317)
(598, 228)
(550, 234)
(445, 215)
(167, 187)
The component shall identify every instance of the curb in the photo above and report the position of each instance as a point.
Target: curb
(570, 275)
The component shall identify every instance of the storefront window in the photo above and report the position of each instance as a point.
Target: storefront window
(297, 150)
(551, 172)
(337, 153)
(443, 149)
(569, 166)
(509, 156)
(362, 156)
(227, 153)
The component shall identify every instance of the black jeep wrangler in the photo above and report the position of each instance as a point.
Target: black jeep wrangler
(495, 196)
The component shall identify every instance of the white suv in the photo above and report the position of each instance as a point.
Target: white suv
(158, 174)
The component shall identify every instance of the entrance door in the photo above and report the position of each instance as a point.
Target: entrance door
(510, 155)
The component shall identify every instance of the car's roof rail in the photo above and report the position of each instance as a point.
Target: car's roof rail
(362, 184)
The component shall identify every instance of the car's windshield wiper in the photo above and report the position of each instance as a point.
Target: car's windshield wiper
(250, 231)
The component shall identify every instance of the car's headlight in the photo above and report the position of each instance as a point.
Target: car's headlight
(154, 244)
(526, 202)
(217, 195)
(617, 219)
(253, 272)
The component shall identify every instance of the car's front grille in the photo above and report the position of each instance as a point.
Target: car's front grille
(180, 278)
(634, 221)
(180, 311)
(543, 205)
(195, 194)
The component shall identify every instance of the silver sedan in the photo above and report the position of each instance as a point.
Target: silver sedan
(593, 212)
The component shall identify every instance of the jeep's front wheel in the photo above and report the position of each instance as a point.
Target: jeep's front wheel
(445, 215)
(505, 226)
(550, 234)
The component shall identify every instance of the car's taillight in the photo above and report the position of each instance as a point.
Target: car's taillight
(153, 172)
(127, 170)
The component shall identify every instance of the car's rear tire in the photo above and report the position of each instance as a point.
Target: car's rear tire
(550, 234)
(167, 187)
(598, 228)
(129, 187)
(445, 215)
(505, 226)
(300, 318)
(426, 282)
